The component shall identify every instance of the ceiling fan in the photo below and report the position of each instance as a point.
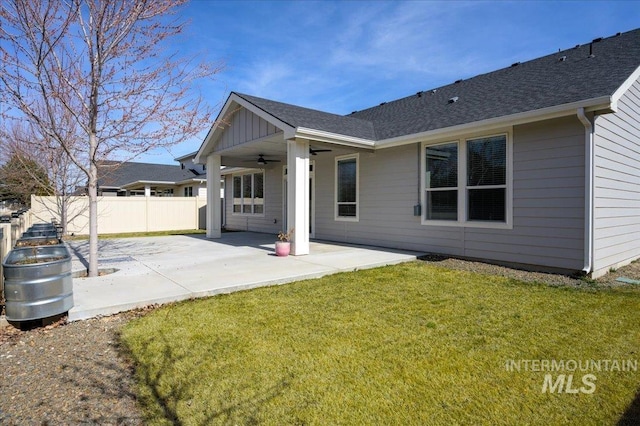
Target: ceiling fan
(313, 151)
(263, 161)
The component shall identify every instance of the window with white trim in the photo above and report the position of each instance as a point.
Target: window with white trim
(467, 182)
(248, 193)
(188, 191)
(487, 179)
(441, 182)
(347, 188)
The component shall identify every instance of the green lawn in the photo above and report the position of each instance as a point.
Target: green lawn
(406, 344)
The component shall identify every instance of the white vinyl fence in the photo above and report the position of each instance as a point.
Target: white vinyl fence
(126, 214)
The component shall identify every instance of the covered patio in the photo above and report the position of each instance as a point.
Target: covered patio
(279, 143)
(157, 270)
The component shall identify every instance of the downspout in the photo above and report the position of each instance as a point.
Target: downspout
(588, 195)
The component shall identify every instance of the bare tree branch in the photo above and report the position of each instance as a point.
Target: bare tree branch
(93, 77)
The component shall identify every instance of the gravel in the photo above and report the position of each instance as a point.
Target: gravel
(74, 373)
(66, 374)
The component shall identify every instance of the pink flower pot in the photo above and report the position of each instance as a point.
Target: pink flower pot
(283, 248)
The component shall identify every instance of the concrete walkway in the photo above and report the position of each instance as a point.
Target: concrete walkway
(165, 269)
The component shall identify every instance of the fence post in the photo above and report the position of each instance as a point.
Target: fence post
(146, 212)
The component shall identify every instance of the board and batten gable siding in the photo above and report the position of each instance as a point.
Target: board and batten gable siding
(271, 220)
(244, 126)
(617, 184)
(548, 202)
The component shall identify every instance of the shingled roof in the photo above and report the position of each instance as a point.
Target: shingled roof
(297, 116)
(116, 175)
(587, 71)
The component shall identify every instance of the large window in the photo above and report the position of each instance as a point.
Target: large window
(347, 187)
(466, 182)
(248, 193)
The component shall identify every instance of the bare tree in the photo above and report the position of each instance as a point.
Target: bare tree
(104, 64)
(41, 167)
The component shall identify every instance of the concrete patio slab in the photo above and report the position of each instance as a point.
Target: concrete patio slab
(156, 270)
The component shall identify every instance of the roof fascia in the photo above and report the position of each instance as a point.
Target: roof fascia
(191, 180)
(236, 170)
(333, 138)
(234, 98)
(191, 154)
(623, 88)
(149, 182)
(594, 104)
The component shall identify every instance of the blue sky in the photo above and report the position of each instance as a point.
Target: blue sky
(341, 56)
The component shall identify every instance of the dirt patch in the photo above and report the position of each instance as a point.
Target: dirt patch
(66, 374)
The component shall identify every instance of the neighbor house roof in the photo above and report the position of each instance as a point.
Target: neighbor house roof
(113, 174)
(588, 75)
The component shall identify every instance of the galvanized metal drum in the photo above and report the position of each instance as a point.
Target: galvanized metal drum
(37, 241)
(42, 226)
(37, 282)
(39, 233)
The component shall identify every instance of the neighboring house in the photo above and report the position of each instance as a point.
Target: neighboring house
(145, 179)
(536, 164)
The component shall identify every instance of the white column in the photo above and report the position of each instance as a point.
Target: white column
(214, 213)
(298, 194)
(147, 190)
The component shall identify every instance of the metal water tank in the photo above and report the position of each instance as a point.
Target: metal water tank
(37, 282)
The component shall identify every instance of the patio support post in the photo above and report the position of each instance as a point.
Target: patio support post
(147, 190)
(298, 194)
(214, 212)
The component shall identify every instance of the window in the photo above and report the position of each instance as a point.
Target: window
(347, 188)
(467, 182)
(487, 178)
(441, 182)
(248, 193)
(188, 191)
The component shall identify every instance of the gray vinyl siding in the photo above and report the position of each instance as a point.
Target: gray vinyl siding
(617, 184)
(548, 202)
(244, 126)
(272, 206)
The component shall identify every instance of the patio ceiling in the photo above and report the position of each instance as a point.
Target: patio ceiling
(246, 155)
(272, 148)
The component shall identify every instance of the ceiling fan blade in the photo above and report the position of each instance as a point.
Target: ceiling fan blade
(313, 151)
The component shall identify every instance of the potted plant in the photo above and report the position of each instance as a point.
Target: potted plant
(283, 246)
